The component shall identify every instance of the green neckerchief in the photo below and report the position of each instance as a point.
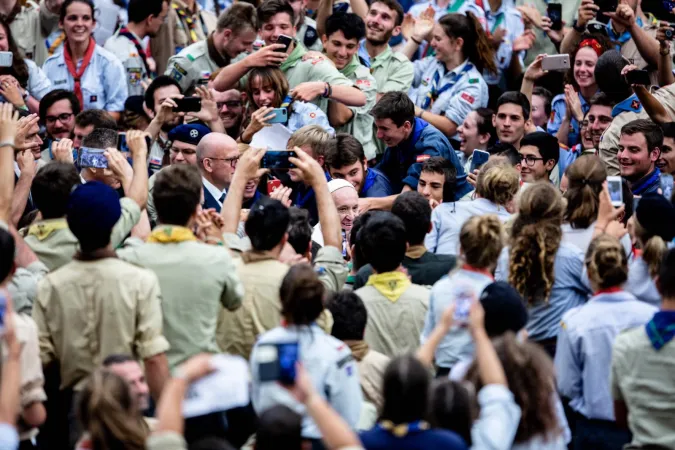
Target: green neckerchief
(295, 56)
(351, 67)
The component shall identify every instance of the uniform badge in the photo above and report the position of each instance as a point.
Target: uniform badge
(635, 104)
(179, 69)
(176, 75)
(134, 75)
(425, 82)
(422, 158)
(194, 134)
(310, 37)
(312, 115)
(468, 98)
(473, 80)
(363, 82)
(133, 55)
(60, 81)
(93, 98)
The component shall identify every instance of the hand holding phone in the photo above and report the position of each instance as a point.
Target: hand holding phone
(640, 77)
(554, 12)
(285, 41)
(93, 158)
(556, 62)
(276, 362)
(278, 159)
(615, 188)
(188, 104)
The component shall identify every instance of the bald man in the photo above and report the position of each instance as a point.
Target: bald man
(217, 156)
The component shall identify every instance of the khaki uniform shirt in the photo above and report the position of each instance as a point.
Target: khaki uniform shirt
(175, 34)
(50, 37)
(125, 50)
(261, 275)
(193, 64)
(25, 27)
(55, 245)
(197, 281)
(88, 310)
(394, 328)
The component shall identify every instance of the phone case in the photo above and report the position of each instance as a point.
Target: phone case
(281, 116)
(556, 62)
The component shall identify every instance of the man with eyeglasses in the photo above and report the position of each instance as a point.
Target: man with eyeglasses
(539, 153)
(57, 113)
(217, 156)
(230, 110)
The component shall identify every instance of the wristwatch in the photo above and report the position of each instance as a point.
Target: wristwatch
(578, 28)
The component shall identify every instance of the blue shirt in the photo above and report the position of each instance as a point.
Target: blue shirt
(558, 109)
(9, 437)
(584, 350)
(378, 438)
(569, 291)
(103, 82)
(641, 284)
(376, 184)
(303, 114)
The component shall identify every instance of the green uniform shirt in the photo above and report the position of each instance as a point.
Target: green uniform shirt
(194, 63)
(393, 71)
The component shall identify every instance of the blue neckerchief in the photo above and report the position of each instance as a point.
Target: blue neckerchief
(661, 329)
(624, 37)
(363, 53)
(435, 92)
(631, 104)
(647, 182)
(369, 181)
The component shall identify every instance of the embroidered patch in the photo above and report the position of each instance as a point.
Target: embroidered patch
(425, 82)
(422, 158)
(134, 76)
(474, 80)
(93, 99)
(312, 115)
(179, 69)
(468, 98)
(635, 104)
(60, 81)
(190, 58)
(363, 82)
(176, 76)
(133, 55)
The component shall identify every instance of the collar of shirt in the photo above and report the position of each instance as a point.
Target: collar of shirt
(382, 57)
(416, 251)
(182, 5)
(369, 181)
(363, 53)
(612, 296)
(631, 104)
(457, 70)
(217, 193)
(647, 182)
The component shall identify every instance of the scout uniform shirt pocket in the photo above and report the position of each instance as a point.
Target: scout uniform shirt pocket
(93, 94)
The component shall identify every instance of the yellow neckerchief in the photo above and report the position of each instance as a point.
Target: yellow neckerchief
(171, 234)
(390, 284)
(57, 43)
(42, 230)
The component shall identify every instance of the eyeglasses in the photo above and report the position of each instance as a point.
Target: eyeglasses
(230, 104)
(65, 117)
(233, 161)
(530, 160)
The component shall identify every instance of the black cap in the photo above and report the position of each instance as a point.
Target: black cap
(656, 215)
(504, 309)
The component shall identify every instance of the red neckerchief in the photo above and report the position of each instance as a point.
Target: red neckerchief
(469, 268)
(72, 66)
(139, 48)
(612, 290)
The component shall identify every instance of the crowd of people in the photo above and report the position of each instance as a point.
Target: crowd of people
(330, 224)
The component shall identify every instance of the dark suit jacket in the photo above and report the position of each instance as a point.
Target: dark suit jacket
(210, 201)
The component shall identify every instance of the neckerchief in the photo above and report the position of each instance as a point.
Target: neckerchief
(295, 56)
(390, 284)
(186, 19)
(661, 329)
(214, 54)
(646, 182)
(96, 255)
(124, 31)
(403, 429)
(498, 22)
(171, 234)
(611, 290)
(72, 66)
(624, 37)
(455, 6)
(631, 104)
(370, 180)
(51, 48)
(435, 92)
(42, 230)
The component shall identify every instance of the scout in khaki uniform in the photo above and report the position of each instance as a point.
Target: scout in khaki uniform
(187, 25)
(24, 24)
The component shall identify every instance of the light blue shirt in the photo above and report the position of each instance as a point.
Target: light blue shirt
(569, 291)
(641, 284)
(510, 19)
(308, 114)
(469, 93)
(209, 5)
(457, 344)
(448, 218)
(38, 83)
(558, 110)
(9, 437)
(103, 83)
(457, 6)
(497, 423)
(331, 368)
(584, 351)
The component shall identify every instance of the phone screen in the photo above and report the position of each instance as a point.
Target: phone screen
(284, 40)
(93, 157)
(288, 357)
(3, 308)
(615, 190)
(638, 77)
(478, 158)
(555, 14)
(605, 6)
(122, 142)
(277, 159)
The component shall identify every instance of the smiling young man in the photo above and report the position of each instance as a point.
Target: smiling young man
(539, 153)
(437, 180)
(639, 150)
(599, 116)
(510, 120)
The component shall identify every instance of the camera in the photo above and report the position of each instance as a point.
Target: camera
(669, 35)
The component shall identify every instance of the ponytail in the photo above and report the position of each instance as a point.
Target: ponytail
(477, 48)
(652, 253)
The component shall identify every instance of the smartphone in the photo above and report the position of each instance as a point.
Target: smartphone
(272, 185)
(6, 59)
(463, 298)
(93, 157)
(276, 362)
(638, 77)
(122, 142)
(554, 12)
(3, 310)
(615, 187)
(278, 159)
(478, 158)
(188, 104)
(284, 40)
(281, 115)
(556, 62)
(605, 6)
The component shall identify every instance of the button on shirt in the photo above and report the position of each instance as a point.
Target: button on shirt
(508, 18)
(558, 109)
(125, 50)
(102, 86)
(584, 349)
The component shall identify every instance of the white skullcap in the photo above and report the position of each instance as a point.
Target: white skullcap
(338, 183)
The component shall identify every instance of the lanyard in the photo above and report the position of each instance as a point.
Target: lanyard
(434, 93)
(139, 48)
(191, 26)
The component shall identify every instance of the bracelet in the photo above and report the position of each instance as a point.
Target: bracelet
(412, 38)
(328, 91)
(8, 144)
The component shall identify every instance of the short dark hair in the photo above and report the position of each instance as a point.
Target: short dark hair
(351, 25)
(414, 210)
(516, 98)
(279, 427)
(343, 150)
(484, 124)
(139, 10)
(238, 17)
(7, 250)
(442, 166)
(546, 95)
(270, 8)
(668, 130)
(546, 143)
(101, 138)
(301, 294)
(383, 241)
(159, 82)
(177, 192)
(299, 230)
(602, 99)
(96, 117)
(117, 358)
(350, 316)
(507, 151)
(267, 223)
(51, 188)
(358, 258)
(396, 6)
(405, 388)
(396, 106)
(56, 96)
(67, 3)
(651, 131)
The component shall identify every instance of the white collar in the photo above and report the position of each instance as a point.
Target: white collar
(214, 191)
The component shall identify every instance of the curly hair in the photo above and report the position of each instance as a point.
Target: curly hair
(585, 177)
(605, 44)
(498, 182)
(606, 262)
(535, 238)
(481, 240)
(529, 372)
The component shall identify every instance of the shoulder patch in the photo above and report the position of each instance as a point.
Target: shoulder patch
(190, 57)
(346, 360)
(363, 82)
(177, 67)
(422, 158)
(473, 80)
(468, 98)
(311, 36)
(176, 75)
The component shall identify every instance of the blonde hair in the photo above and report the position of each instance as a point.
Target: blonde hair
(585, 177)
(653, 248)
(498, 182)
(108, 412)
(535, 238)
(481, 240)
(313, 136)
(606, 262)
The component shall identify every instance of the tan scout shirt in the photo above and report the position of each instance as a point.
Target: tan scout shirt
(24, 23)
(87, 310)
(175, 34)
(55, 245)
